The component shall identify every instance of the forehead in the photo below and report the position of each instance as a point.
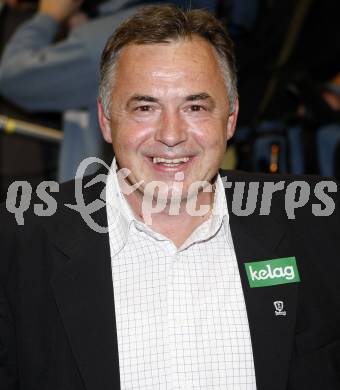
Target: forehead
(192, 59)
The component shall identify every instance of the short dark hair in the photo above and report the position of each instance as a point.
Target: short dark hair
(164, 24)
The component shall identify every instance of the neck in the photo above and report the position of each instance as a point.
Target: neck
(173, 221)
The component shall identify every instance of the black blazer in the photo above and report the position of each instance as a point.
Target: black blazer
(57, 319)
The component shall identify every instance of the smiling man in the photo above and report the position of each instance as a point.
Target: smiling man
(188, 300)
(168, 104)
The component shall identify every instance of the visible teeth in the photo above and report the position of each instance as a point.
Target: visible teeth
(157, 160)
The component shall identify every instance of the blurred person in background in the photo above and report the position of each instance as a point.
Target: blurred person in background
(23, 158)
(286, 61)
(40, 74)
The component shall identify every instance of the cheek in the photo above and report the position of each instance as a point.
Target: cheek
(130, 135)
(211, 136)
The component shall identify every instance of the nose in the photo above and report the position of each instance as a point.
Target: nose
(172, 129)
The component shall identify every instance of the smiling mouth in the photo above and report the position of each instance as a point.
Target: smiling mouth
(171, 163)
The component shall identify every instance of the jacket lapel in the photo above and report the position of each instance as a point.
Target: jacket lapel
(258, 238)
(83, 289)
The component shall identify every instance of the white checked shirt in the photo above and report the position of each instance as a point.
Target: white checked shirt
(180, 313)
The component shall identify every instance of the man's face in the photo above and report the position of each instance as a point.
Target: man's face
(169, 113)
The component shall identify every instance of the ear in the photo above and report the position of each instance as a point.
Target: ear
(104, 122)
(232, 119)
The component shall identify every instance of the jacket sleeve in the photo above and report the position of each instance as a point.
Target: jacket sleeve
(37, 74)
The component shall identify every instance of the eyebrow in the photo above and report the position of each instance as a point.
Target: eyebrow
(198, 96)
(142, 98)
(152, 99)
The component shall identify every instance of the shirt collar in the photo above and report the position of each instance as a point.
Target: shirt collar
(119, 214)
(219, 217)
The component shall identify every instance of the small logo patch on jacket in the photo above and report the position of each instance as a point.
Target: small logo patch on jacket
(272, 272)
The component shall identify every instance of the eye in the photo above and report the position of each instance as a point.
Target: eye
(196, 108)
(143, 108)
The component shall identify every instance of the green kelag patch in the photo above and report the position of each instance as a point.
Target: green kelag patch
(272, 272)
